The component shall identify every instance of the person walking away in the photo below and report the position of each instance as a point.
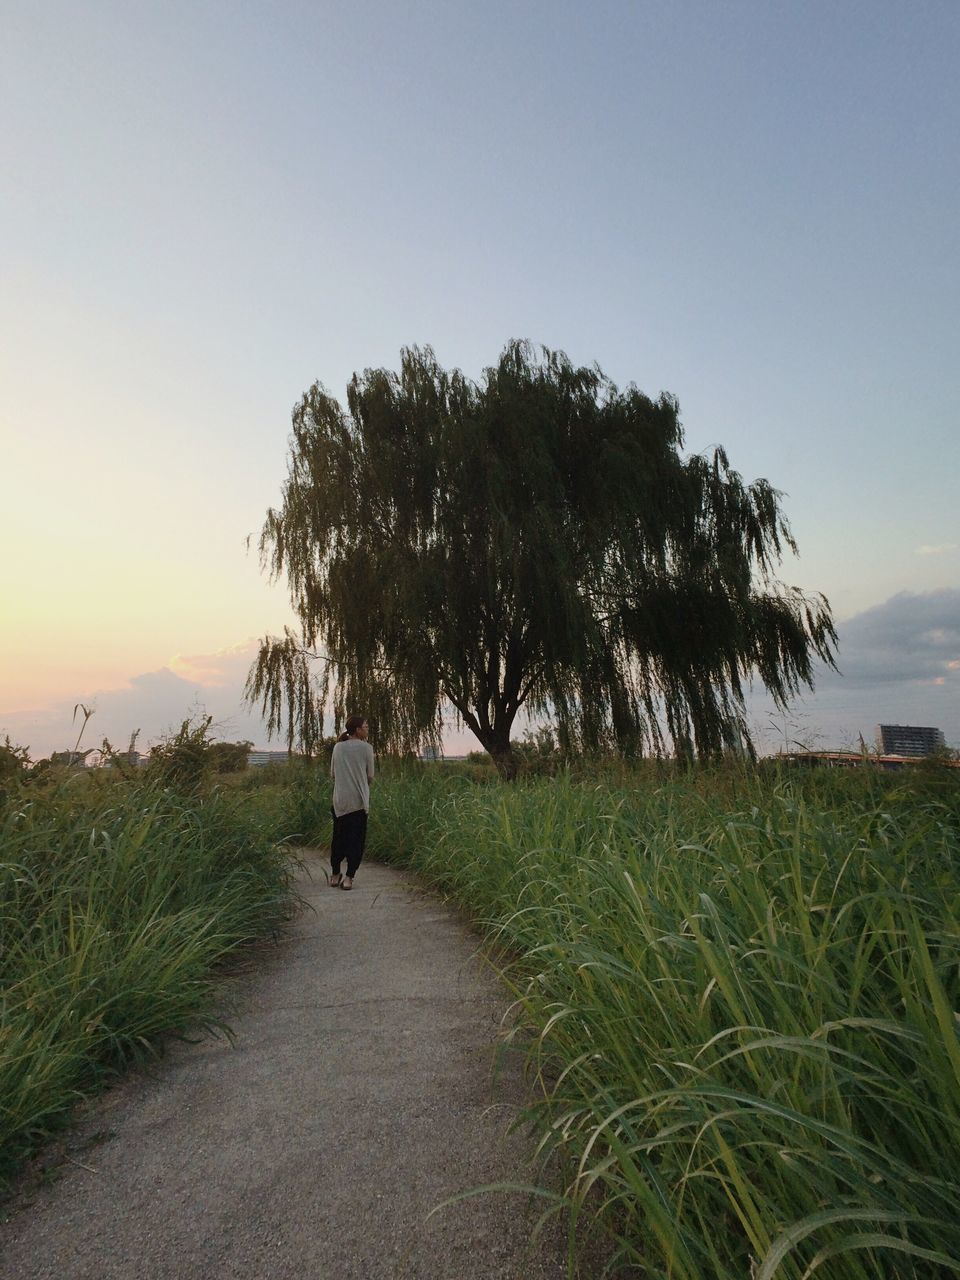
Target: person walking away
(351, 767)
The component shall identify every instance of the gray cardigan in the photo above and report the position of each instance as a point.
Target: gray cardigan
(351, 767)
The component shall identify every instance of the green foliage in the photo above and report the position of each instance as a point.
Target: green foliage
(14, 761)
(229, 757)
(942, 758)
(183, 760)
(190, 756)
(736, 992)
(117, 898)
(538, 753)
(536, 540)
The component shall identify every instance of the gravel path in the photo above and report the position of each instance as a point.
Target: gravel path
(358, 1096)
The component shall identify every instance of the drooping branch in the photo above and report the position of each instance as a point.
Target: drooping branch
(290, 696)
(536, 540)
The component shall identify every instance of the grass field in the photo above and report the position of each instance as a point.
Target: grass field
(738, 999)
(737, 991)
(117, 899)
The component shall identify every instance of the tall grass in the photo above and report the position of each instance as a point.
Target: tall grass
(737, 995)
(739, 1001)
(116, 901)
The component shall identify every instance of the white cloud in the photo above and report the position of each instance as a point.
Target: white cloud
(935, 549)
(212, 670)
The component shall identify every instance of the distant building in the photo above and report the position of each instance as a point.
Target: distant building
(75, 759)
(856, 760)
(256, 759)
(908, 740)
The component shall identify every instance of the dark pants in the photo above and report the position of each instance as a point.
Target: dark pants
(349, 837)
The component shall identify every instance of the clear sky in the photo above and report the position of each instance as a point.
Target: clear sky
(208, 206)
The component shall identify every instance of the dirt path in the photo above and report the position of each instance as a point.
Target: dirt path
(357, 1097)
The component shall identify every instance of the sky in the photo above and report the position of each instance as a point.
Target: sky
(207, 207)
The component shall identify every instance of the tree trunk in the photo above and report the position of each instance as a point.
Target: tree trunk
(497, 745)
(506, 763)
(494, 738)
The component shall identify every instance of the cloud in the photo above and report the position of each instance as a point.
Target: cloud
(910, 638)
(899, 664)
(935, 549)
(155, 702)
(211, 670)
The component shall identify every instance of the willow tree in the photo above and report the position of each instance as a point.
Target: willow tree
(536, 541)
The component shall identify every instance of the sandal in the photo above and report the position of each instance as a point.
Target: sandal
(347, 882)
(336, 882)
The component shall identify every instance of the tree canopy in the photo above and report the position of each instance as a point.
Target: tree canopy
(536, 540)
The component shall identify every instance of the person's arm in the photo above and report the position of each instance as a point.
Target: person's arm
(332, 774)
(370, 759)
